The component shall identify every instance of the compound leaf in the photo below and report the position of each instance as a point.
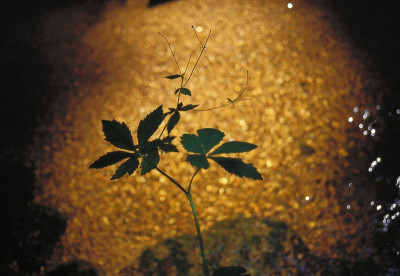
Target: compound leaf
(237, 167)
(173, 121)
(188, 107)
(109, 159)
(234, 147)
(153, 158)
(172, 77)
(127, 167)
(191, 143)
(209, 137)
(149, 125)
(118, 134)
(199, 161)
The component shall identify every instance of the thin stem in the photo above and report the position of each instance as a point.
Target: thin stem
(199, 236)
(197, 61)
(169, 45)
(187, 65)
(229, 100)
(191, 180)
(164, 174)
(197, 36)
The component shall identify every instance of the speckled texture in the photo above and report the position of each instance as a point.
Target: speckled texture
(303, 83)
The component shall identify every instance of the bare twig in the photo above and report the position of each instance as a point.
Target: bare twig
(237, 99)
(197, 61)
(169, 45)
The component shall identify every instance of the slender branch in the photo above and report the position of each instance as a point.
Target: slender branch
(197, 36)
(197, 61)
(200, 238)
(169, 45)
(165, 174)
(162, 132)
(229, 100)
(191, 180)
(187, 65)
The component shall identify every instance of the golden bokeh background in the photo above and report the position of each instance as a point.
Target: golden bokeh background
(304, 80)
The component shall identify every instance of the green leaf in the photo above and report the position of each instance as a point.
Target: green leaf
(118, 134)
(149, 125)
(172, 77)
(237, 167)
(233, 147)
(153, 158)
(230, 271)
(188, 107)
(209, 137)
(127, 167)
(168, 148)
(168, 139)
(185, 91)
(109, 159)
(173, 120)
(199, 161)
(191, 143)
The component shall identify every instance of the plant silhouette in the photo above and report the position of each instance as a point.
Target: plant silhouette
(201, 148)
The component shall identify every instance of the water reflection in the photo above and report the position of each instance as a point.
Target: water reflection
(386, 207)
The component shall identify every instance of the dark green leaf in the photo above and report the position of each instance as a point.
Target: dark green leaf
(191, 143)
(185, 91)
(149, 125)
(153, 158)
(234, 147)
(237, 167)
(127, 167)
(177, 90)
(199, 161)
(151, 146)
(168, 139)
(118, 134)
(173, 120)
(230, 271)
(172, 77)
(180, 106)
(188, 107)
(168, 148)
(209, 137)
(109, 159)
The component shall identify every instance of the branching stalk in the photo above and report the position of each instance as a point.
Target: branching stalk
(197, 61)
(173, 55)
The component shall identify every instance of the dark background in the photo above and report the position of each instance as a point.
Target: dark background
(27, 92)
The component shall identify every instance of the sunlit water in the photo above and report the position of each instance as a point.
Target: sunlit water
(304, 85)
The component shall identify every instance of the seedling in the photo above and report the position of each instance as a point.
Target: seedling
(201, 147)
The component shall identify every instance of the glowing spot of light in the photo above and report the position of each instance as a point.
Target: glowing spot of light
(290, 5)
(307, 198)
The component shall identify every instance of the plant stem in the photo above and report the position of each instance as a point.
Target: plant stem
(203, 253)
